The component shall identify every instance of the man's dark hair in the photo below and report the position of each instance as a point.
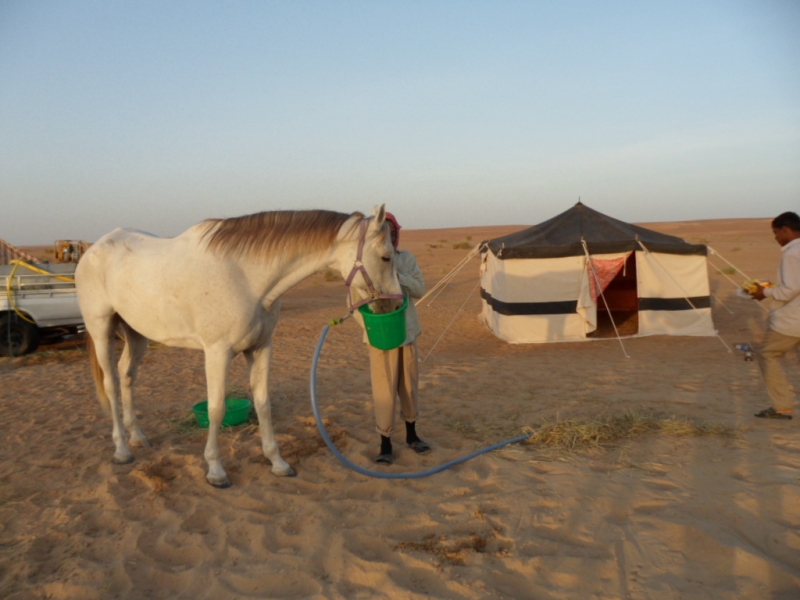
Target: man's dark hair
(787, 219)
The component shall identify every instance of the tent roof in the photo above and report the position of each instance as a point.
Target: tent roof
(561, 236)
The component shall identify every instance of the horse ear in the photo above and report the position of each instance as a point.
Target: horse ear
(380, 215)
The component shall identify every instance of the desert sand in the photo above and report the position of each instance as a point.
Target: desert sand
(656, 516)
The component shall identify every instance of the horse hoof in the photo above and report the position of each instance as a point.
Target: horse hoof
(288, 472)
(123, 460)
(139, 442)
(223, 484)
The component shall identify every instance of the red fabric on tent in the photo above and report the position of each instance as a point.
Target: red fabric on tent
(602, 272)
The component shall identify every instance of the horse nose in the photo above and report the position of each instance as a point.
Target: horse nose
(385, 305)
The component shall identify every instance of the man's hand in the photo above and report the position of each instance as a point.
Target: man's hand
(759, 293)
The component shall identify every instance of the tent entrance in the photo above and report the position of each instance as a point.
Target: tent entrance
(622, 298)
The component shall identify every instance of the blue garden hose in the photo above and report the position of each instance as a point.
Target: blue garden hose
(323, 432)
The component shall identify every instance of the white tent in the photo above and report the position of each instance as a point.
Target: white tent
(583, 275)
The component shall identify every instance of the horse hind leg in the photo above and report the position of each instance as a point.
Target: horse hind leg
(102, 331)
(259, 361)
(132, 354)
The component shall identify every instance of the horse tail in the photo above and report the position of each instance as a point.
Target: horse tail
(97, 374)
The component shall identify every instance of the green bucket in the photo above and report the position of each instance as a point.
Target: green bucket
(385, 331)
(237, 410)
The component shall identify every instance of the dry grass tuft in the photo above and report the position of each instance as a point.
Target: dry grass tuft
(573, 435)
(184, 425)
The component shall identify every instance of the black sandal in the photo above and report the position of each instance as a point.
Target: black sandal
(771, 413)
(419, 446)
(384, 459)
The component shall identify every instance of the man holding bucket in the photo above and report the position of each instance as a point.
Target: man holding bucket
(395, 372)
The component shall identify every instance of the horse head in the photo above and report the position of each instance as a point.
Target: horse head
(369, 258)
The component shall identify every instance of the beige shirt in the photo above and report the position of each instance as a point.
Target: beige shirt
(413, 285)
(786, 318)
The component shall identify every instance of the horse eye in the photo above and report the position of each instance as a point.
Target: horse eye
(386, 258)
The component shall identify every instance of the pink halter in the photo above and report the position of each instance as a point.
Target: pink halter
(358, 265)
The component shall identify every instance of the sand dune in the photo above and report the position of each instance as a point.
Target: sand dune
(656, 516)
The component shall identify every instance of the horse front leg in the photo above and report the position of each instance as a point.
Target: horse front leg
(259, 361)
(135, 347)
(217, 364)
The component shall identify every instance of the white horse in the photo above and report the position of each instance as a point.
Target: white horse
(217, 288)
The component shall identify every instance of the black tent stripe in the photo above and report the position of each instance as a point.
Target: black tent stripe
(571, 306)
(674, 303)
(530, 308)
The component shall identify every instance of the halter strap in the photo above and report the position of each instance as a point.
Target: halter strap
(358, 266)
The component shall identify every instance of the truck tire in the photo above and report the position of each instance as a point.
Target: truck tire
(17, 336)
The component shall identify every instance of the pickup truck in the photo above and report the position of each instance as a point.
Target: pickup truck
(36, 300)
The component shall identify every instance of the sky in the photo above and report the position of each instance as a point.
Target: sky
(156, 115)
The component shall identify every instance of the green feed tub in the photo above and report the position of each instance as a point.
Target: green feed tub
(237, 410)
(385, 331)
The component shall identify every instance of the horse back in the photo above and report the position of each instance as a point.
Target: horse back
(171, 290)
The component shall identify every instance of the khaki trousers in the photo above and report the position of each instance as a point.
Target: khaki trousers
(775, 345)
(394, 373)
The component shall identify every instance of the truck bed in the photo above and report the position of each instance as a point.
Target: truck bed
(49, 299)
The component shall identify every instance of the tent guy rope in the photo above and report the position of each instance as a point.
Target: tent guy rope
(735, 268)
(444, 281)
(460, 308)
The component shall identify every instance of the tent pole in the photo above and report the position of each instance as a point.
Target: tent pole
(602, 295)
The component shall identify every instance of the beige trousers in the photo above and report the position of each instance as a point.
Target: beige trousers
(394, 373)
(775, 345)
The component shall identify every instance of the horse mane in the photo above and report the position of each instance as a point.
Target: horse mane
(262, 234)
